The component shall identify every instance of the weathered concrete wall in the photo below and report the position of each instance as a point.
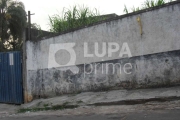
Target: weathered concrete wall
(155, 55)
(155, 70)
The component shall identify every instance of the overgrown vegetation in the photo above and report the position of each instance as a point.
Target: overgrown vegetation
(12, 23)
(47, 107)
(146, 4)
(79, 102)
(73, 18)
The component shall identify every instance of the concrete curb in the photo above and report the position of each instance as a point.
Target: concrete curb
(136, 101)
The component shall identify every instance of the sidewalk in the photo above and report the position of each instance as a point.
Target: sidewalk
(115, 97)
(120, 97)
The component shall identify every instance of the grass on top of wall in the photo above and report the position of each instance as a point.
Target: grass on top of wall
(145, 5)
(73, 18)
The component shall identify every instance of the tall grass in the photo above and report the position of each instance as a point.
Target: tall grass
(73, 18)
(147, 4)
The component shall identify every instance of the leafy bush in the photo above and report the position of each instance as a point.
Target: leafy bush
(73, 18)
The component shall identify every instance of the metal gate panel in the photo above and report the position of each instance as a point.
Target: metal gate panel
(11, 90)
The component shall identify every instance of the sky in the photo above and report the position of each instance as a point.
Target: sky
(45, 8)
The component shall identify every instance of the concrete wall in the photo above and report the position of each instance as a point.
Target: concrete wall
(155, 70)
(154, 61)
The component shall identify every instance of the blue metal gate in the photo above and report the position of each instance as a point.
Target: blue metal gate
(11, 90)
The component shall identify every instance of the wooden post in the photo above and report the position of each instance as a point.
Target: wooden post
(24, 70)
(29, 25)
(25, 91)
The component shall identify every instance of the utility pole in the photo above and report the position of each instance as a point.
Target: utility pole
(25, 92)
(29, 25)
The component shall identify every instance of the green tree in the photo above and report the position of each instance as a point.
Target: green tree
(12, 23)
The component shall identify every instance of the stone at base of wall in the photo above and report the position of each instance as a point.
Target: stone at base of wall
(27, 97)
(155, 70)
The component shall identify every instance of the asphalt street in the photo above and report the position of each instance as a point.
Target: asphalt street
(139, 115)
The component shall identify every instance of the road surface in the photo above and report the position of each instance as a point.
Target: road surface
(143, 115)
